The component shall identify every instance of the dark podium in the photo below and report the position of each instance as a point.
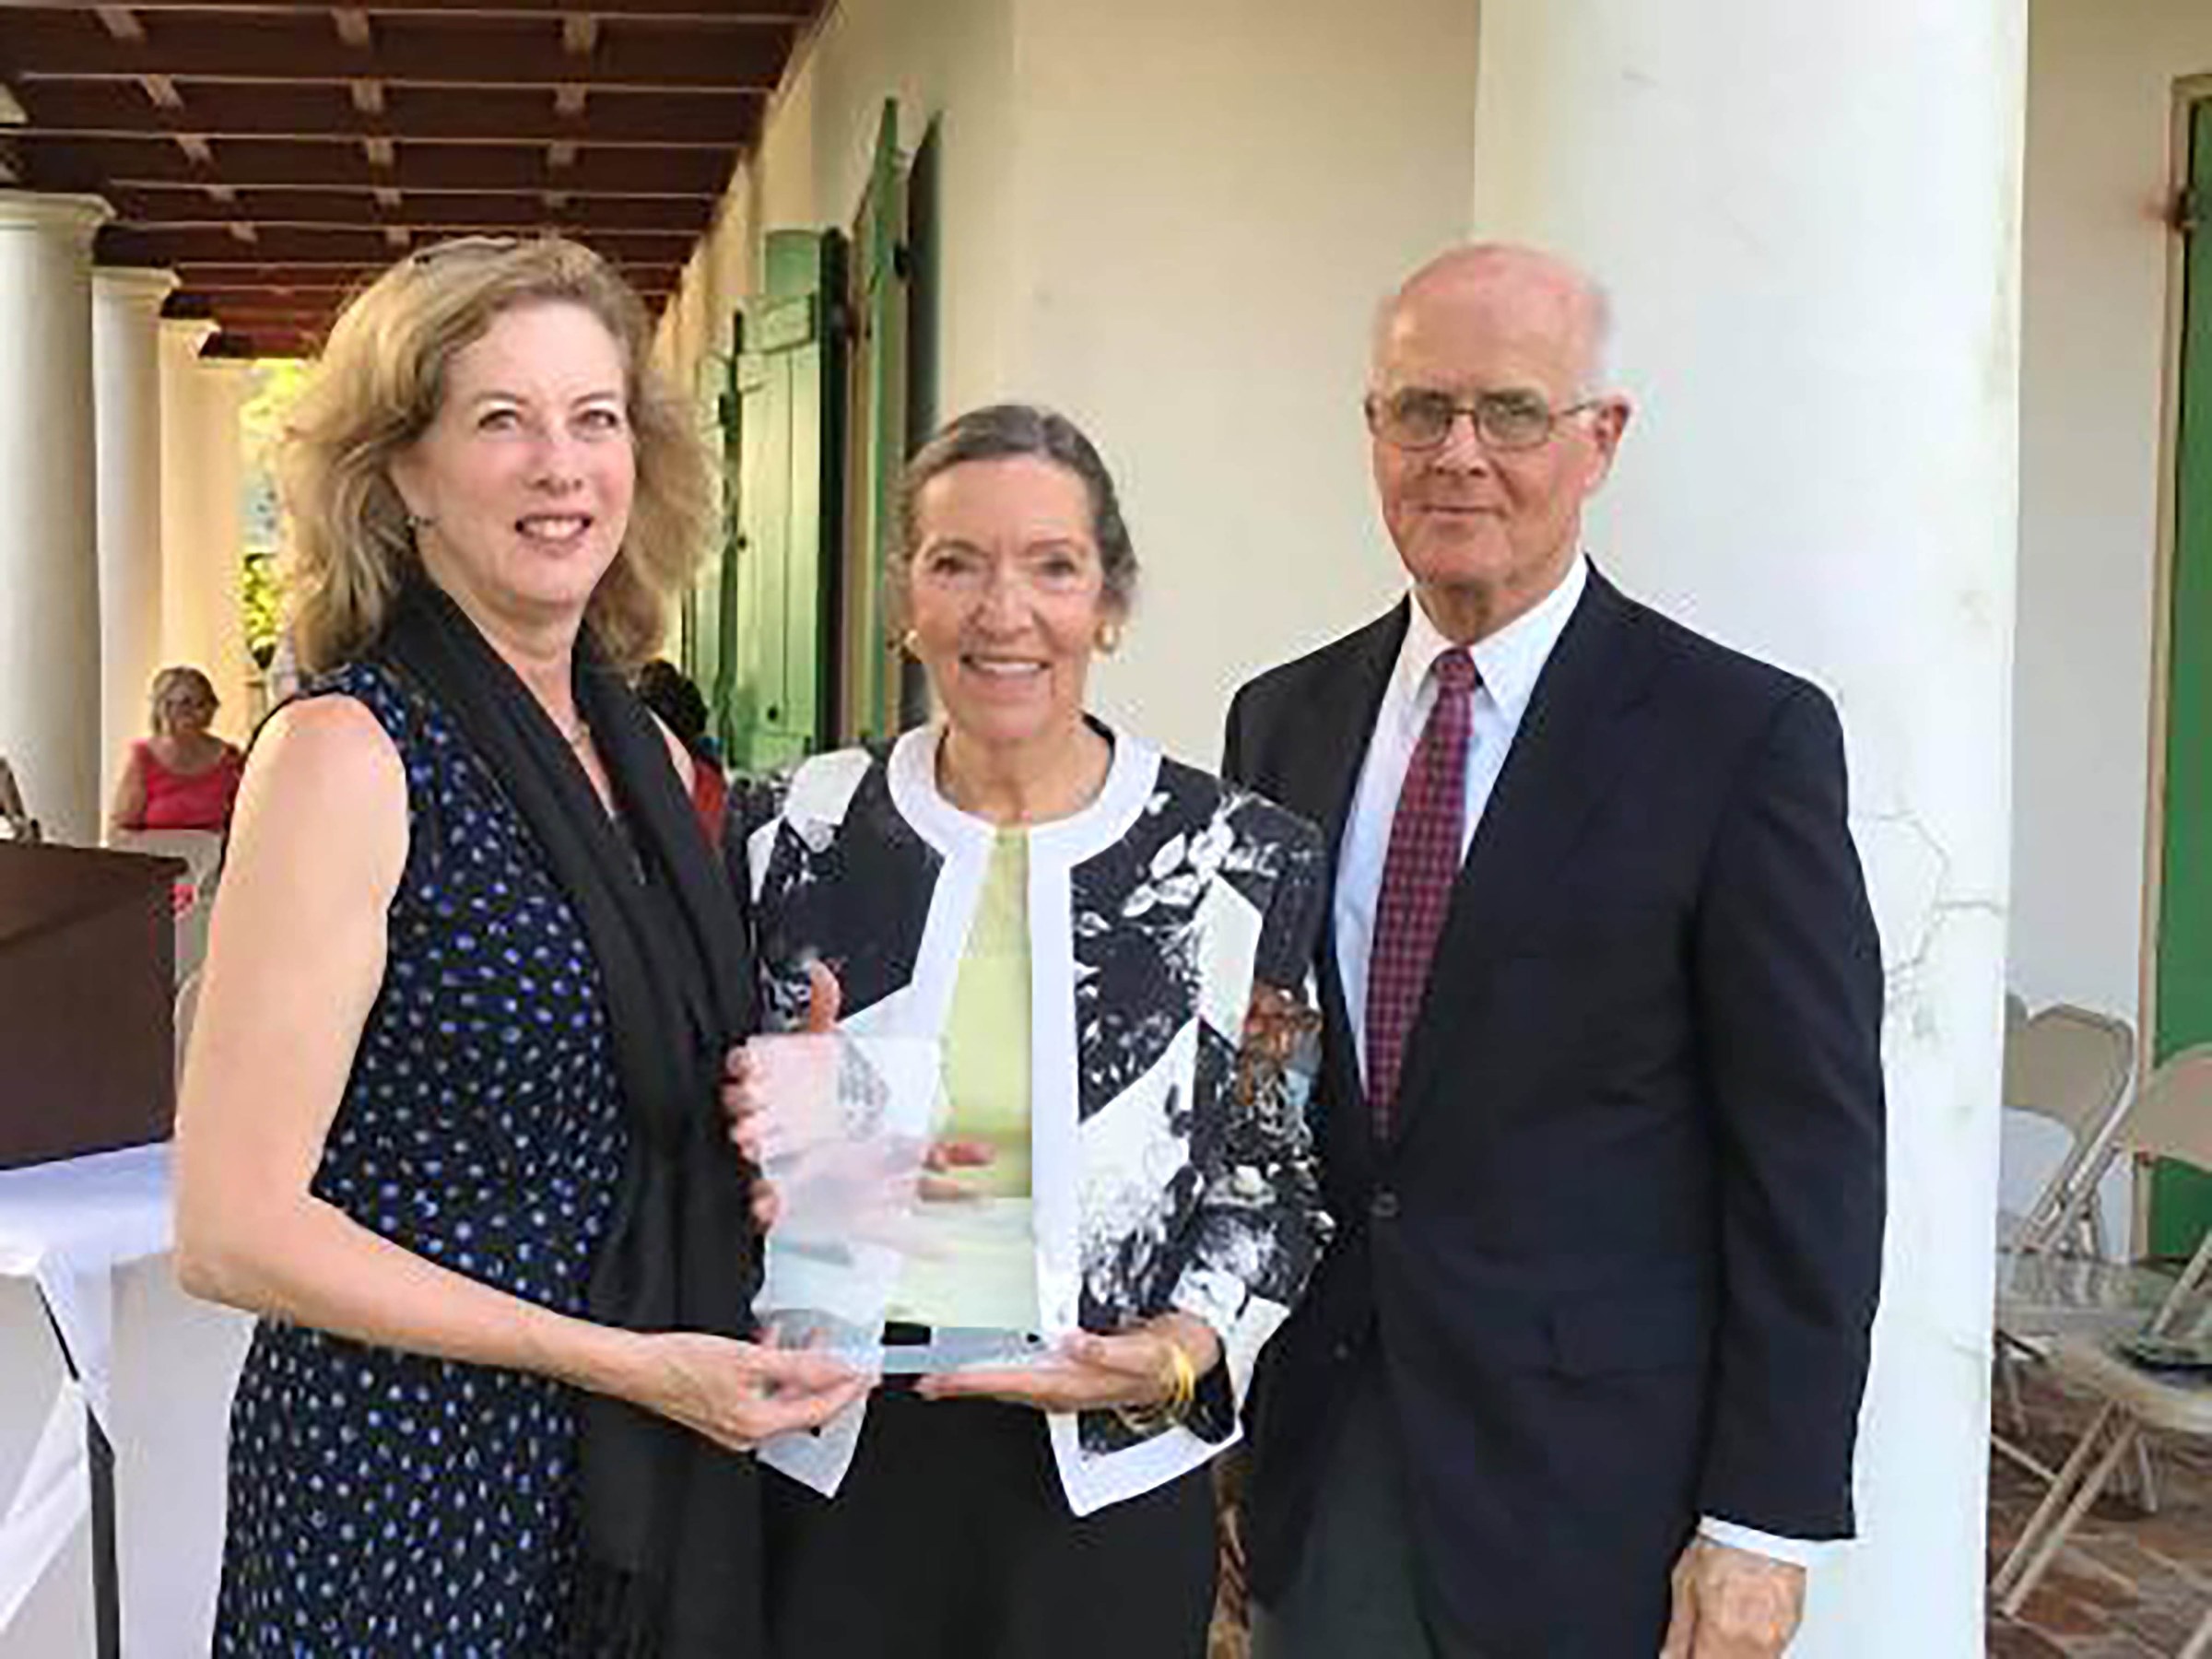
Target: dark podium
(87, 1057)
(87, 1000)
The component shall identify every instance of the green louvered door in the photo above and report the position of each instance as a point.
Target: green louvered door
(708, 614)
(789, 389)
(2181, 1199)
(870, 664)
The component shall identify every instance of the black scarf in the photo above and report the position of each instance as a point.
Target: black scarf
(669, 1523)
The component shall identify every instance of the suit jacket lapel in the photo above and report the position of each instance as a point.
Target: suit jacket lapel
(1320, 781)
(1572, 741)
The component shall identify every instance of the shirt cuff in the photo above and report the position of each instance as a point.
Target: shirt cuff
(1797, 1552)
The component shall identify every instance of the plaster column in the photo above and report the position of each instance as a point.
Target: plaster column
(49, 685)
(1810, 217)
(178, 343)
(201, 625)
(126, 404)
(225, 386)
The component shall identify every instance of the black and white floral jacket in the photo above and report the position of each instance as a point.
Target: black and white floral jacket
(1156, 1183)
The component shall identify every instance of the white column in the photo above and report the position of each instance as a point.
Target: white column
(49, 573)
(180, 342)
(202, 556)
(1809, 219)
(223, 392)
(126, 404)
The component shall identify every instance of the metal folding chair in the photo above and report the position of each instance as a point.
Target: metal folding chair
(2171, 1119)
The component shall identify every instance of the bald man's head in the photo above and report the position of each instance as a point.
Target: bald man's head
(1554, 294)
(1490, 428)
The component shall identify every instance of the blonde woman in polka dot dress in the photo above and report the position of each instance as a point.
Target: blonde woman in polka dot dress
(448, 1122)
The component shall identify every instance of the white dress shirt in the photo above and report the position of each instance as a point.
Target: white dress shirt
(1509, 661)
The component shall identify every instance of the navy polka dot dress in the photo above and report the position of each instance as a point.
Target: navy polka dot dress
(387, 1503)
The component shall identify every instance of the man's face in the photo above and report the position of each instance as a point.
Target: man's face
(1470, 518)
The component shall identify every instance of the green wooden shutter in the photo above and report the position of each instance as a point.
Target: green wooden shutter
(718, 587)
(2182, 1199)
(871, 662)
(701, 632)
(788, 387)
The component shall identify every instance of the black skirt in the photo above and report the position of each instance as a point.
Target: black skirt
(950, 1538)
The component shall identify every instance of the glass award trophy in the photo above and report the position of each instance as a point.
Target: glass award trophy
(848, 1122)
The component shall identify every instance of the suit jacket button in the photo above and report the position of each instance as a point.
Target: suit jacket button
(1384, 1204)
(1344, 1352)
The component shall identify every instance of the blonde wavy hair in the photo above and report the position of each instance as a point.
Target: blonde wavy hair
(377, 386)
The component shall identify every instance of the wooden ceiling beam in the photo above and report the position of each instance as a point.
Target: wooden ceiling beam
(294, 300)
(356, 244)
(446, 51)
(346, 275)
(172, 207)
(250, 164)
(720, 119)
(655, 11)
(119, 22)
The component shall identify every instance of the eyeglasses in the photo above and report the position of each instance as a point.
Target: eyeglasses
(1418, 418)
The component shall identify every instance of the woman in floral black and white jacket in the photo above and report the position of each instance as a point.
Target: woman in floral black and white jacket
(1089, 928)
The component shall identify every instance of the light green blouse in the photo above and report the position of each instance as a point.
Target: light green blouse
(975, 1263)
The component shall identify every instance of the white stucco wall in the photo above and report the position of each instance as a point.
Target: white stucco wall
(1173, 223)
(2096, 354)
(948, 62)
(2101, 85)
(1214, 198)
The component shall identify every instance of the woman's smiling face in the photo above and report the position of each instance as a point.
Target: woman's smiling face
(527, 471)
(1006, 597)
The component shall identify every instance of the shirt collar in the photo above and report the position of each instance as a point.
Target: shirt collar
(1509, 660)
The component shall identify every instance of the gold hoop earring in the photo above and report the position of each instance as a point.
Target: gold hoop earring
(908, 642)
(1110, 638)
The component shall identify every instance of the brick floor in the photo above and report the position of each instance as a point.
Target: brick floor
(2127, 1585)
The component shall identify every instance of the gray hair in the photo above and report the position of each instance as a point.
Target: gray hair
(1009, 432)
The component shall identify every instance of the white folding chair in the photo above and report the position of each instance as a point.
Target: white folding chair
(187, 1007)
(191, 936)
(201, 851)
(2171, 1119)
(15, 822)
(2071, 1067)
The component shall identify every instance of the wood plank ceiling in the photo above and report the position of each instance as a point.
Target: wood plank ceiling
(276, 156)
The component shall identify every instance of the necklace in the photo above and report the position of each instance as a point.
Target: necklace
(580, 734)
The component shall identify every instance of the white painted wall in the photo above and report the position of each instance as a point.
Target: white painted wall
(1211, 199)
(2095, 357)
(2102, 77)
(1173, 222)
(950, 61)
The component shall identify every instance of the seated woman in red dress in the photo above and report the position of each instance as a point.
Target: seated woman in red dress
(184, 777)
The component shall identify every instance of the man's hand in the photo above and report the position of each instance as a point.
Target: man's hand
(1733, 1604)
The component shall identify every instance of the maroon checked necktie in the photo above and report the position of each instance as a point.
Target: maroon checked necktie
(1417, 874)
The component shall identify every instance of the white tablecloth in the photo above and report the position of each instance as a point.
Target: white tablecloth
(68, 1226)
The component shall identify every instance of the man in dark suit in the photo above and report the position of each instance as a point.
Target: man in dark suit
(1601, 1107)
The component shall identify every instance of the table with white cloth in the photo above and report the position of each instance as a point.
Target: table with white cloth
(150, 1397)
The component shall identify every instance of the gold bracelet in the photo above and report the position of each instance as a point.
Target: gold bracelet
(1183, 1393)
